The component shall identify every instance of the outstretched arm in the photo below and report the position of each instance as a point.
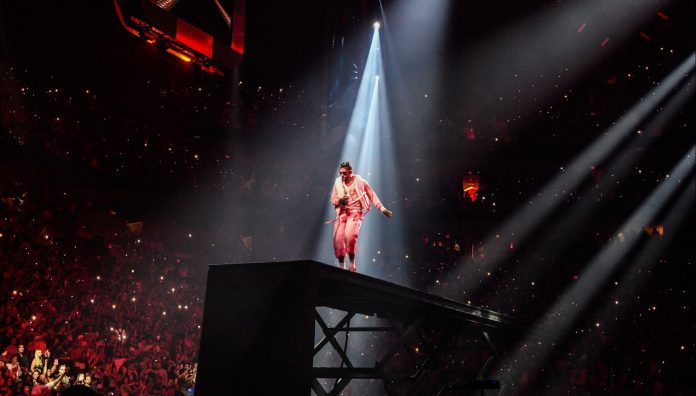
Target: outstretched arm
(53, 383)
(375, 200)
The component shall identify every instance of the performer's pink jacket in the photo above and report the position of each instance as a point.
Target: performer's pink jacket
(365, 193)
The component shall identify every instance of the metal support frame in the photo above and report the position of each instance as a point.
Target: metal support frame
(407, 334)
(350, 372)
(489, 363)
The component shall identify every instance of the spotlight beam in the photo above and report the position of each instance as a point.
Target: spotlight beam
(366, 158)
(648, 255)
(355, 135)
(547, 200)
(565, 310)
(369, 147)
(586, 207)
(592, 278)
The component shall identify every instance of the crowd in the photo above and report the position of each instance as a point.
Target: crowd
(89, 299)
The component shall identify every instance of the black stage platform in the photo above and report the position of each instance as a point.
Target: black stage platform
(258, 334)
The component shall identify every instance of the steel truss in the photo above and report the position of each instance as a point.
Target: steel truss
(404, 336)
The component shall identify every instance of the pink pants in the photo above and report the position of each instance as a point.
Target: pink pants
(346, 230)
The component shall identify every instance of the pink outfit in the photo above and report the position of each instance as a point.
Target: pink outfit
(349, 218)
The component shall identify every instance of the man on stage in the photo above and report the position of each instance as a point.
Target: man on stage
(352, 197)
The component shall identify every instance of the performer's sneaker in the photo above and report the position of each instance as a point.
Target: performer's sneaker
(352, 268)
(341, 266)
